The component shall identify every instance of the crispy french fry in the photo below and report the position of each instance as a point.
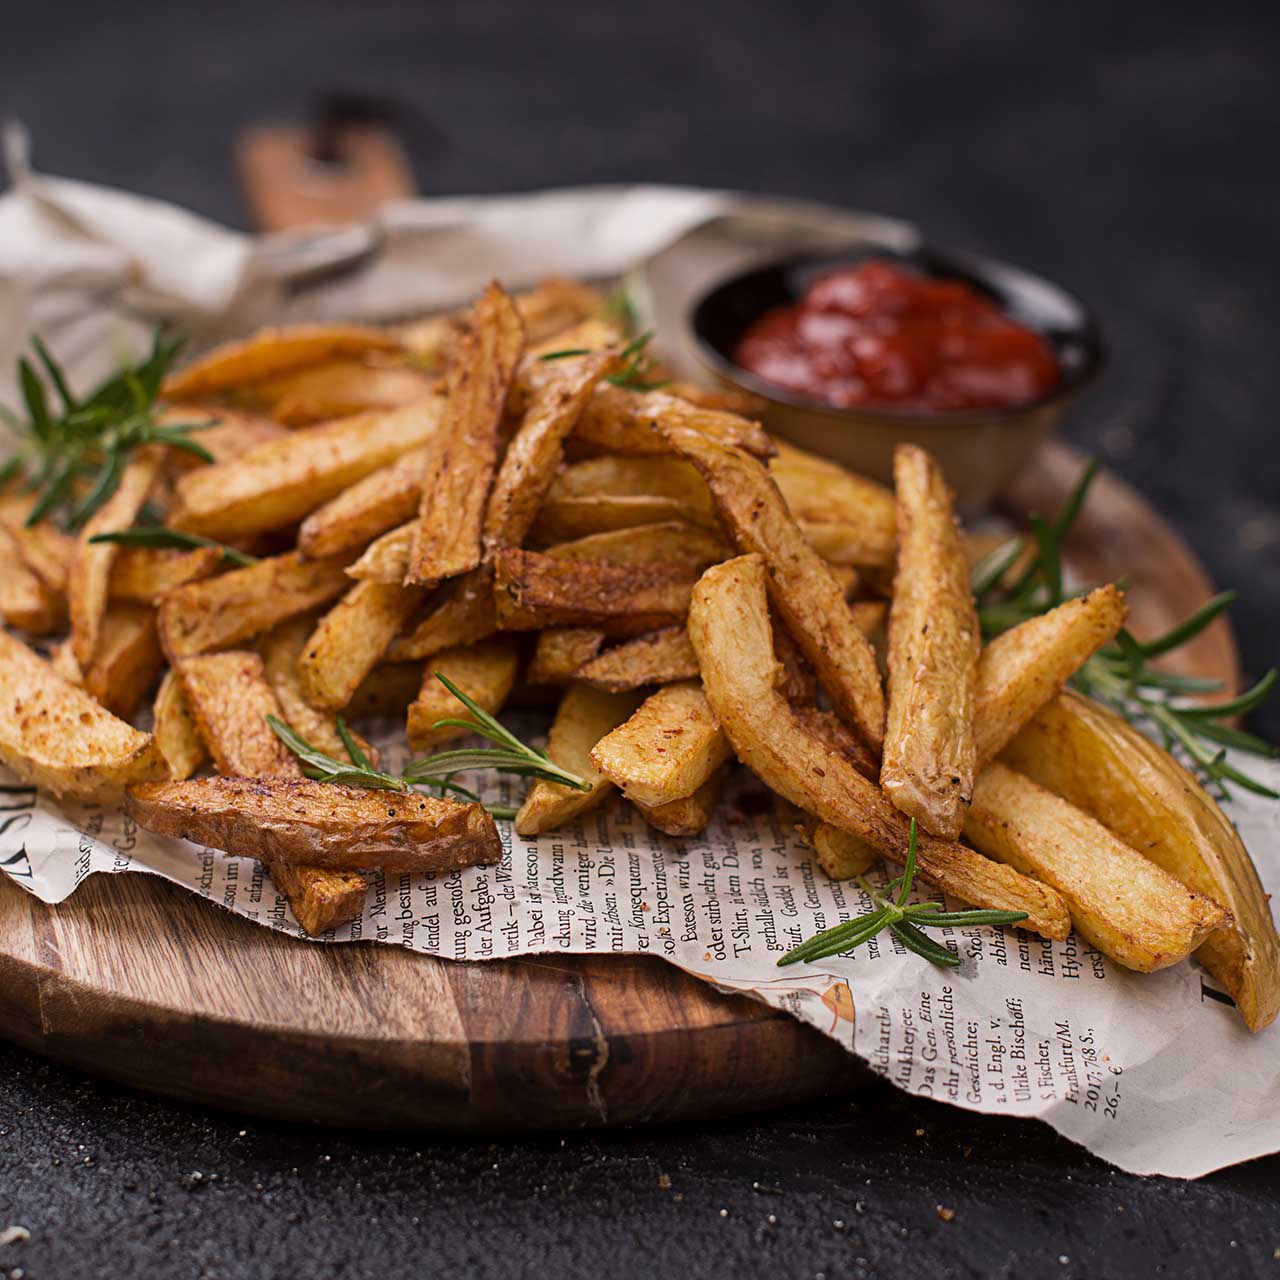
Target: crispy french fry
(320, 824)
(624, 421)
(661, 657)
(387, 690)
(26, 602)
(56, 736)
(320, 900)
(273, 351)
(667, 749)
(176, 733)
(128, 661)
(386, 558)
(663, 543)
(841, 855)
(44, 549)
(231, 435)
(1103, 765)
(688, 815)
(730, 629)
(1128, 907)
(560, 652)
(486, 672)
(930, 750)
(145, 574)
(339, 389)
(561, 519)
(468, 614)
(800, 585)
(634, 476)
(831, 731)
(556, 305)
(220, 612)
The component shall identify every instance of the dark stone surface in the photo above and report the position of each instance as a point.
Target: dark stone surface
(1128, 151)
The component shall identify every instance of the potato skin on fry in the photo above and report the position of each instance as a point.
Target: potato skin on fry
(367, 509)
(688, 815)
(128, 661)
(660, 657)
(176, 732)
(485, 672)
(321, 824)
(560, 652)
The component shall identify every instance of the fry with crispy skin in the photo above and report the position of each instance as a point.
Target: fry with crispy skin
(660, 657)
(128, 659)
(146, 573)
(486, 672)
(176, 733)
(687, 815)
(560, 652)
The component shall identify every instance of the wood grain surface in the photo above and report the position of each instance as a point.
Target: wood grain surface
(144, 983)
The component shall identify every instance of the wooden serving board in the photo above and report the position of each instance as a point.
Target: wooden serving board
(139, 981)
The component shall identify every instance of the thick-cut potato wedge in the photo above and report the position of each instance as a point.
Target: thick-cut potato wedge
(485, 672)
(319, 824)
(667, 749)
(387, 558)
(1103, 765)
(337, 390)
(841, 855)
(533, 590)
(468, 614)
(1120, 902)
(43, 548)
(578, 516)
(284, 480)
(688, 815)
(273, 351)
(559, 653)
(220, 612)
(145, 574)
(730, 629)
(930, 750)
(662, 657)
(1021, 670)
(176, 732)
(836, 736)
(231, 435)
(128, 660)
(455, 492)
(388, 690)
(584, 717)
(320, 900)
(369, 508)
(351, 638)
(634, 476)
(58, 737)
(89, 575)
(623, 421)
(26, 602)
(669, 542)
(801, 587)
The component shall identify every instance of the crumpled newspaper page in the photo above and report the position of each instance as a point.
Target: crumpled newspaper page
(1154, 1073)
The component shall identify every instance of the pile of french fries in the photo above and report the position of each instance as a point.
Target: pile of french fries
(483, 496)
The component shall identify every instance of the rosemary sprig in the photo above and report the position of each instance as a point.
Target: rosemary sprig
(74, 452)
(902, 919)
(1122, 675)
(158, 535)
(509, 755)
(637, 364)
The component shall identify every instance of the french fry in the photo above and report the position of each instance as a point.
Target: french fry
(273, 351)
(584, 717)
(26, 602)
(1120, 902)
(128, 661)
(176, 733)
(456, 490)
(320, 824)
(667, 750)
(145, 574)
(800, 585)
(560, 652)
(730, 629)
(561, 519)
(386, 559)
(842, 855)
(339, 389)
(930, 750)
(661, 657)
(663, 543)
(623, 421)
(320, 900)
(43, 548)
(635, 476)
(284, 480)
(466, 615)
(688, 815)
(1088, 755)
(387, 690)
(231, 434)
(486, 672)
(55, 736)
(217, 613)
(831, 731)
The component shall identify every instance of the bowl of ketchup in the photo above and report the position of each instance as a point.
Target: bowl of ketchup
(975, 360)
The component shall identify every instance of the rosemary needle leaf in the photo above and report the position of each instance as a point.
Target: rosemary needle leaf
(990, 570)
(914, 940)
(358, 757)
(977, 915)
(160, 536)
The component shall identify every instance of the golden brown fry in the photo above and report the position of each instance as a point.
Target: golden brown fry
(1126, 906)
(273, 351)
(128, 660)
(624, 421)
(176, 732)
(56, 736)
(26, 602)
(231, 435)
(584, 717)
(667, 749)
(320, 900)
(455, 492)
(387, 690)
(800, 585)
(44, 549)
(831, 731)
(220, 612)
(89, 575)
(386, 558)
(1019, 671)
(339, 389)
(664, 543)
(485, 672)
(841, 855)
(688, 815)
(661, 657)
(145, 574)
(319, 824)
(284, 480)
(634, 476)
(930, 749)
(560, 652)
(561, 519)
(730, 629)
(465, 616)
(351, 638)
(534, 590)
(1102, 764)
(556, 304)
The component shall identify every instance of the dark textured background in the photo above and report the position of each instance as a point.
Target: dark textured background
(1128, 151)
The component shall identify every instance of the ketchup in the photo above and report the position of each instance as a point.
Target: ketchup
(879, 337)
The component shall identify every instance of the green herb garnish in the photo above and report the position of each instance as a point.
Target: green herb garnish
(510, 756)
(157, 535)
(637, 364)
(901, 918)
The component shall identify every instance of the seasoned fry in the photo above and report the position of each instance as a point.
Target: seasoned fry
(466, 615)
(1099, 762)
(231, 435)
(486, 672)
(387, 690)
(26, 602)
(338, 389)
(688, 815)
(667, 749)
(145, 574)
(128, 660)
(1128, 907)
(930, 750)
(800, 585)
(840, 854)
(284, 480)
(58, 737)
(661, 657)
(176, 733)
(273, 351)
(584, 717)
(578, 516)
(321, 824)
(1019, 671)
(831, 731)
(623, 421)
(623, 476)
(663, 543)
(455, 492)
(730, 630)
(220, 612)
(387, 558)
(560, 652)
(320, 900)
(44, 549)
